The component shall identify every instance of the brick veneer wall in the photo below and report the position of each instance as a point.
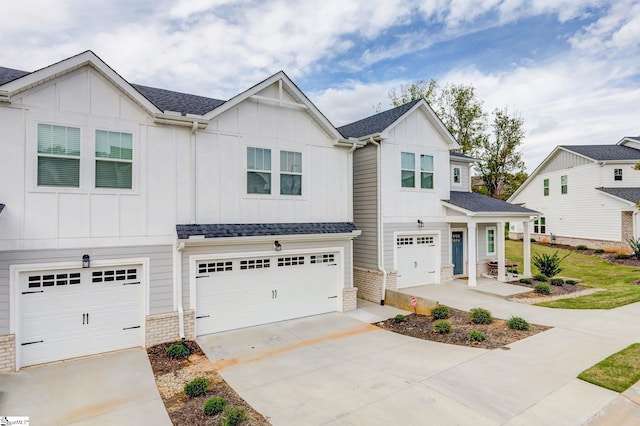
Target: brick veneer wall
(446, 274)
(369, 284)
(7, 353)
(349, 299)
(163, 328)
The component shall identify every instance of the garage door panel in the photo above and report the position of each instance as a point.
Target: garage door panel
(416, 260)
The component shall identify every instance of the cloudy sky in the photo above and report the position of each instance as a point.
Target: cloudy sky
(569, 67)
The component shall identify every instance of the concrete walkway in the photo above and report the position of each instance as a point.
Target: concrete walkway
(108, 389)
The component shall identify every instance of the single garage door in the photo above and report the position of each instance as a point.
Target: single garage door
(237, 293)
(71, 313)
(417, 260)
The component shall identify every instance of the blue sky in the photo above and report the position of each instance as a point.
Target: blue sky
(568, 67)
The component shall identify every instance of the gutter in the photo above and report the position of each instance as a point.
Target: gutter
(379, 217)
(177, 263)
(194, 180)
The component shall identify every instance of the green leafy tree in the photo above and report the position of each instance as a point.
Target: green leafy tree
(418, 90)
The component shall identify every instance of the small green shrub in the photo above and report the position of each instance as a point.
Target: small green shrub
(541, 278)
(196, 387)
(442, 326)
(475, 336)
(480, 316)
(622, 256)
(517, 323)
(533, 240)
(177, 351)
(399, 318)
(556, 281)
(233, 415)
(548, 264)
(599, 251)
(542, 288)
(571, 282)
(581, 247)
(525, 280)
(440, 312)
(214, 406)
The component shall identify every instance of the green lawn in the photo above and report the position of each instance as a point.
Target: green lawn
(617, 372)
(594, 272)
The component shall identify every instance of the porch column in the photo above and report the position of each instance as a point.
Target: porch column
(526, 239)
(471, 255)
(502, 276)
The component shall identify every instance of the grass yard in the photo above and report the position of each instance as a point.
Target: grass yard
(617, 372)
(594, 272)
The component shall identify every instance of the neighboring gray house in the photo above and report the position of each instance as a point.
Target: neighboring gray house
(420, 222)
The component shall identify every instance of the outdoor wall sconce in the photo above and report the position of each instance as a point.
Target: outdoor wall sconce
(86, 261)
(420, 224)
(277, 245)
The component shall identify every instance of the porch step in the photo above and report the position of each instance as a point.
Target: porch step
(501, 290)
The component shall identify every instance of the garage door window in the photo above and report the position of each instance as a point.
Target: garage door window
(424, 240)
(114, 275)
(291, 261)
(322, 258)
(215, 267)
(404, 241)
(52, 280)
(255, 263)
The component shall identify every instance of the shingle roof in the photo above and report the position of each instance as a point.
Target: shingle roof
(461, 156)
(376, 123)
(263, 229)
(479, 203)
(629, 194)
(1, 207)
(605, 152)
(165, 100)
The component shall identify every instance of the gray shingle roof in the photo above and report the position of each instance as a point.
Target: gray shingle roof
(1, 207)
(629, 194)
(376, 123)
(165, 100)
(479, 203)
(262, 229)
(605, 152)
(460, 155)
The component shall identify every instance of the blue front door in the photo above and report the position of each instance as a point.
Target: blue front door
(457, 254)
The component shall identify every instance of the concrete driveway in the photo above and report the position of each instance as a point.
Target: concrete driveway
(336, 369)
(108, 389)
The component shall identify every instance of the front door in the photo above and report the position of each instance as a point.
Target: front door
(457, 253)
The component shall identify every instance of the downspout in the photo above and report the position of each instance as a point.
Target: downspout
(194, 180)
(177, 263)
(379, 219)
(350, 174)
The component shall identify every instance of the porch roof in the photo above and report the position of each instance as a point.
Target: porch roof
(474, 204)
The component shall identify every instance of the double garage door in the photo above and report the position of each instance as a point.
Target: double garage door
(417, 260)
(237, 293)
(70, 313)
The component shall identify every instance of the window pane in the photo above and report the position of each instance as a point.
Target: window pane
(408, 179)
(491, 241)
(290, 184)
(113, 174)
(258, 183)
(408, 161)
(426, 180)
(251, 158)
(258, 159)
(426, 163)
(290, 161)
(54, 171)
(58, 140)
(456, 175)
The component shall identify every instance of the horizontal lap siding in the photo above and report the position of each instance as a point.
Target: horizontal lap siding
(365, 208)
(160, 274)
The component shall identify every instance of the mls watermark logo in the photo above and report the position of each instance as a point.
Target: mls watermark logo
(13, 420)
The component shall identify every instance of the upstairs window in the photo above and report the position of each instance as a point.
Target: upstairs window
(290, 173)
(546, 187)
(426, 171)
(258, 171)
(58, 156)
(539, 226)
(408, 169)
(617, 174)
(563, 184)
(457, 177)
(114, 159)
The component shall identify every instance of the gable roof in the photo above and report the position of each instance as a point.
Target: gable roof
(9, 74)
(461, 157)
(604, 152)
(475, 203)
(230, 230)
(184, 103)
(631, 195)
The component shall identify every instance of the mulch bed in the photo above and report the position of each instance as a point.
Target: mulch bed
(609, 257)
(497, 334)
(556, 290)
(171, 376)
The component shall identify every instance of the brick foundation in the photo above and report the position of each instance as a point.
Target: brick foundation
(369, 284)
(446, 274)
(7, 353)
(163, 328)
(349, 299)
(481, 268)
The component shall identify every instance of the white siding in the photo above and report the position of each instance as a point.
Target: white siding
(565, 160)
(465, 185)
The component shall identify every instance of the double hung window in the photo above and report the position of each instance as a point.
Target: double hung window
(58, 155)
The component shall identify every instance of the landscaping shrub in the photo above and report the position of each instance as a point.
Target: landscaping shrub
(581, 247)
(480, 316)
(540, 278)
(517, 323)
(214, 406)
(475, 336)
(177, 351)
(233, 415)
(622, 256)
(634, 243)
(542, 288)
(533, 240)
(525, 280)
(399, 318)
(196, 387)
(571, 282)
(442, 326)
(548, 264)
(440, 312)
(599, 251)
(556, 281)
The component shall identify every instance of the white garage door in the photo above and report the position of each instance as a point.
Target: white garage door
(236, 293)
(71, 313)
(417, 260)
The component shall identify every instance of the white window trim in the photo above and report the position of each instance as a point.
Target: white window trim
(495, 243)
(616, 174)
(275, 174)
(564, 185)
(115, 160)
(417, 172)
(546, 188)
(301, 174)
(453, 176)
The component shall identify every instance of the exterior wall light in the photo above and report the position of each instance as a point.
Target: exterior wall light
(277, 245)
(86, 261)
(420, 224)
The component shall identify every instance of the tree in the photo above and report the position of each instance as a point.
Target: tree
(499, 157)
(418, 90)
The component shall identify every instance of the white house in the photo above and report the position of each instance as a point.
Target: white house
(586, 194)
(133, 215)
(420, 222)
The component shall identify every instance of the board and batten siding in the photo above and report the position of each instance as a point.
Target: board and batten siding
(267, 249)
(408, 228)
(160, 271)
(365, 206)
(565, 160)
